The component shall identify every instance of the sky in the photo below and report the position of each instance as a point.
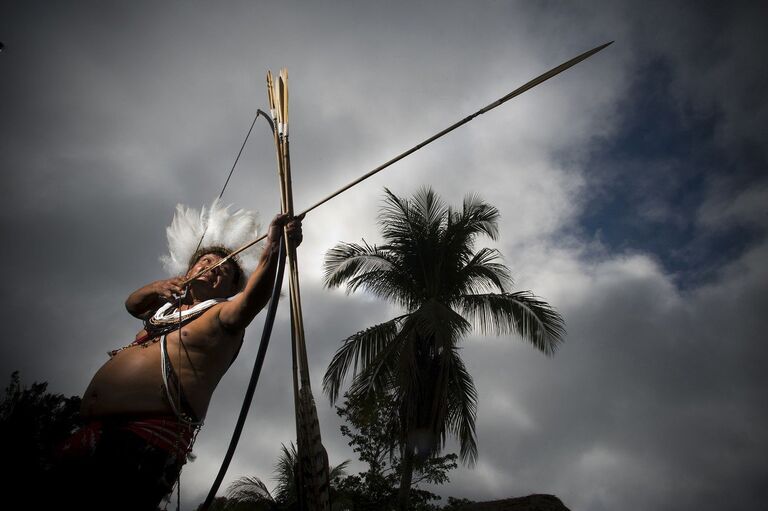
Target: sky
(632, 190)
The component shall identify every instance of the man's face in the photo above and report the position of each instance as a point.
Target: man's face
(220, 280)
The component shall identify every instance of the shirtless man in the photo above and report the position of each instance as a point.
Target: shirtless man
(139, 429)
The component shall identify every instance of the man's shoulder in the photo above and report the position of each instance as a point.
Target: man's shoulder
(211, 316)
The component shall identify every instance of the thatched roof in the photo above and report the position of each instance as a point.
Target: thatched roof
(529, 503)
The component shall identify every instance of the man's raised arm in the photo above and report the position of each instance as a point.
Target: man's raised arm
(238, 313)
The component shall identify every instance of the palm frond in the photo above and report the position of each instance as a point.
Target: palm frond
(404, 220)
(285, 474)
(481, 274)
(386, 370)
(475, 218)
(348, 260)
(523, 313)
(439, 324)
(462, 409)
(396, 218)
(429, 209)
(358, 352)
(249, 489)
(482, 218)
(376, 269)
(393, 285)
(338, 471)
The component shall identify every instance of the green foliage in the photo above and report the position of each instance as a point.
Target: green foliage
(32, 423)
(373, 432)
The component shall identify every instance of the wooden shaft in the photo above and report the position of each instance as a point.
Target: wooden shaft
(284, 204)
(281, 105)
(299, 323)
(278, 146)
(298, 349)
(295, 365)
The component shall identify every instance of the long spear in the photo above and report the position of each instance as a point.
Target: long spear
(312, 472)
(523, 88)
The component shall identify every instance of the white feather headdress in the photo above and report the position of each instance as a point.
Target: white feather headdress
(230, 230)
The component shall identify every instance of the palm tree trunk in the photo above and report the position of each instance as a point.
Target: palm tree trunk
(404, 493)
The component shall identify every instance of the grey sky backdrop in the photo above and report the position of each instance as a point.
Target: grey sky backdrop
(632, 191)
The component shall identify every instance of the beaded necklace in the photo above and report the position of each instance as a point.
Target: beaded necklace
(166, 320)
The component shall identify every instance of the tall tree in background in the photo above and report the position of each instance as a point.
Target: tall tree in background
(429, 267)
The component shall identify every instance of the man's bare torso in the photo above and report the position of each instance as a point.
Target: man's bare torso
(131, 383)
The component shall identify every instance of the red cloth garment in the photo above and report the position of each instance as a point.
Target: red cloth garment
(121, 464)
(166, 434)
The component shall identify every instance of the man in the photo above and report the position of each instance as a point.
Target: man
(144, 406)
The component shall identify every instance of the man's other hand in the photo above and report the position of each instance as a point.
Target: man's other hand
(168, 289)
(292, 227)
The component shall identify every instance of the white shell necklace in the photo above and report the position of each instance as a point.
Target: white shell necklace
(169, 315)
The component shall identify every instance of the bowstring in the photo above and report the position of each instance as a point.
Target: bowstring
(231, 171)
(178, 417)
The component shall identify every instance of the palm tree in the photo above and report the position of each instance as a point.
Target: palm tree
(428, 266)
(251, 493)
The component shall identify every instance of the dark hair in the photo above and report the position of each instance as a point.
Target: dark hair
(238, 277)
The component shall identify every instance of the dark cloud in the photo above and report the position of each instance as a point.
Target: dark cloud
(691, 130)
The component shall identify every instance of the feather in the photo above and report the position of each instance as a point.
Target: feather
(217, 226)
